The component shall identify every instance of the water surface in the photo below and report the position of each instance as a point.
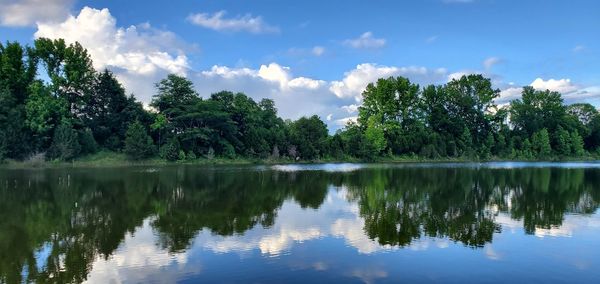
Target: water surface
(491, 222)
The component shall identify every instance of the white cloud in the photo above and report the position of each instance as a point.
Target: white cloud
(139, 55)
(366, 40)
(351, 108)
(344, 121)
(488, 63)
(459, 74)
(562, 85)
(27, 12)
(356, 80)
(218, 22)
(571, 92)
(509, 94)
(318, 50)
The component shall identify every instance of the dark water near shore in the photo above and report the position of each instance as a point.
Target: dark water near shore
(496, 222)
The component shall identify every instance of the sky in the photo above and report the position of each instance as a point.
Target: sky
(316, 57)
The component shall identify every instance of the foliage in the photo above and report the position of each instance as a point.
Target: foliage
(138, 144)
(65, 144)
(75, 110)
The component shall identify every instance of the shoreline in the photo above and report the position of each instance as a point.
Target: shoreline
(110, 159)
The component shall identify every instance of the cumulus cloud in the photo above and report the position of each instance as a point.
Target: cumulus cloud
(366, 40)
(356, 80)
(137, 54)
(560, 85)
(571, 92)
(21, 13)
(218, 22)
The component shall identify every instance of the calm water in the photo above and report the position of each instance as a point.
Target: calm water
(497, 222)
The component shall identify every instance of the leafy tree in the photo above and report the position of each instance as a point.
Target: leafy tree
(138, 144)
(87, 141)
(310, 135)
(563, 142)
(537, 110)
(375, 134)
(70, 70)
(540, 144)
(65, 144)
(577, 144)
(171, 150)
(173, 92)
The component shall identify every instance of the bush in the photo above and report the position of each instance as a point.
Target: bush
(138, 144)
(170, 151)
(65, 144)
(87, 141)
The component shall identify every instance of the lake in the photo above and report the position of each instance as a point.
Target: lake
(355, 223)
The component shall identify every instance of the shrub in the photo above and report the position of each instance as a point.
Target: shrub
(138, 144)
(170, 151)
(65, 144)
(87, 141)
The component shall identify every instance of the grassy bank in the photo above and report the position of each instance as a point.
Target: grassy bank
(113, 159)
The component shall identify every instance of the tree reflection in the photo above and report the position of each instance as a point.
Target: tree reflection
(55, 223)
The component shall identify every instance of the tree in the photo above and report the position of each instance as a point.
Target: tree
(138, 144)
(563, 142)
(171, 150)
(540, 143)
(577, 144)
(375, 134)
(173, 92)
(392, 106)
(70, 70)
(65, 144)
(309, 134)
(160, 122)
(108, 111)
(537, 110)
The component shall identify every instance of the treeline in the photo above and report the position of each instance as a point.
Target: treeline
(67, 109)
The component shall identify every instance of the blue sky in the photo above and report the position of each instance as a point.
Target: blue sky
(314, 57)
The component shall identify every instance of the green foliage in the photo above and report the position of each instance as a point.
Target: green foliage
(563, 142)
(87, 141)
(138, 144)
(309, 134)
(397, 117)
(577, 144)
(540, 144)
(170, 151)
(65, 144)
(375, 134)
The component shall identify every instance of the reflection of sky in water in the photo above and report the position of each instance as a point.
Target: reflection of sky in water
(329, 245)
(348, 167)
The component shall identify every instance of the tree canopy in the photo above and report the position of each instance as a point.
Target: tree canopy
(76, 110)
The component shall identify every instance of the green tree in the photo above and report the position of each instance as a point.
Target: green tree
(563, 142)
(138, 144)
(577, 144)
(65, 144)
(540, 143)
(171, 150)
(375, 134)
(310, 135)
(537, 110)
